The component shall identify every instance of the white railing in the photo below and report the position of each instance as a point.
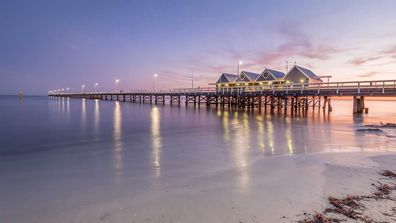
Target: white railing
(382, 86)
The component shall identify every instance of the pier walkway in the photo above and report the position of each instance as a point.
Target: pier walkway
(290, 96)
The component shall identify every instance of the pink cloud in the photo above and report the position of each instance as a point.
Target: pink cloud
(297, 44)
(362, 60)
(391, 51)
(368, 74)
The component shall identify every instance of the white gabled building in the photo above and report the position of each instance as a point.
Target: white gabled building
(271, 75)
(226, 78)
(302, 75)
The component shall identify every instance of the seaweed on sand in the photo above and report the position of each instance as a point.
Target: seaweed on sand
(388, 173)
(351, 206)
(319, 218)
(346, 206)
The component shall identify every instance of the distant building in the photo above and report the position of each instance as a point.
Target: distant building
(302, 75)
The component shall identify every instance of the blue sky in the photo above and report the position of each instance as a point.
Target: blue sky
(58, 44)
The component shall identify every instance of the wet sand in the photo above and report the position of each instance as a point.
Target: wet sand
(275, 189)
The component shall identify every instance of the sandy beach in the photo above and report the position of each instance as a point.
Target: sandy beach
(276, 189)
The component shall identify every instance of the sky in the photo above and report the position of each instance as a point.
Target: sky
(52, 44)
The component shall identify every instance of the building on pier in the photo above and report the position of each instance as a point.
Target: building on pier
(246, 80)
(226, 78)
(246, 77)
(267, 79)
(302, 75)
(271, 75)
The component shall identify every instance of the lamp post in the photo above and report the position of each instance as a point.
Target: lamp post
(82, 88)
(192, 79)
(239, 64)
(96, 85)
(67, 90)
(154, 76)
(116, 83)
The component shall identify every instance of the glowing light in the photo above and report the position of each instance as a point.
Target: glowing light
(240, 62)
(117, 81)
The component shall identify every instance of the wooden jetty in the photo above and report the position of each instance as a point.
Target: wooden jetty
(281, 97)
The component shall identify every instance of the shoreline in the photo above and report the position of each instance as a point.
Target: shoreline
(271, 189)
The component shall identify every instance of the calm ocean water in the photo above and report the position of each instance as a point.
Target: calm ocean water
(54, 149)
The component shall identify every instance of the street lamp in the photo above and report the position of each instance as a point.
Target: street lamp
(116, 83)
(154, 76)
(82, 88)
(96, 85)
(239, 64)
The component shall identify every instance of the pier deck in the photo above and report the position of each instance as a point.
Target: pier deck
(293, 96)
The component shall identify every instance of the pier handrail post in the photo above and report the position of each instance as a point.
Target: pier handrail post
(318, 88)
(383, 87)
(337, 88)
(358, 87)
(302, 88)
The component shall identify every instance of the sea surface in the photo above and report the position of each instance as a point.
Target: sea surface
(58, 156)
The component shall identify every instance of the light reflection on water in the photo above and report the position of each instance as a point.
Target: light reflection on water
(163, 139)
(117, 137)
(96, 117)
(156, 139)
(78, 152)
(83, 115)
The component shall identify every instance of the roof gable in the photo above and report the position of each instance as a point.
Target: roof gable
(225, 78)
(266, 76)
(247, 76)
(269, 74)
(276, 74)
(308, 73)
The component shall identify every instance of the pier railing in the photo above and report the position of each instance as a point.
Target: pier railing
(337, 88)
